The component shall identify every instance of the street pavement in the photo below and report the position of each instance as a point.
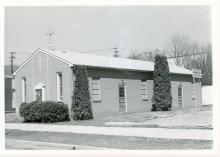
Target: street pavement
(13, 144)
(196, 134)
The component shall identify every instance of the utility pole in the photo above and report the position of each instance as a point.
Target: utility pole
(163, 53)
(12, 57)
(115, 52)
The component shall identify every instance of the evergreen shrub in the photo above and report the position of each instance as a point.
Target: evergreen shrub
(81, 104)
(162, 98)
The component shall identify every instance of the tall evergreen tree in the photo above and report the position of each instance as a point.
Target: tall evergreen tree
(162, 99)
(81, 104)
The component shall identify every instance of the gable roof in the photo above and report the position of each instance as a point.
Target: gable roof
(92, 60)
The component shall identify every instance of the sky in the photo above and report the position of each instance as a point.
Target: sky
(88, 28)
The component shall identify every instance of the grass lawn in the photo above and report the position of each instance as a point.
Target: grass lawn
(119, 142)
(98, 121)
(181, 117)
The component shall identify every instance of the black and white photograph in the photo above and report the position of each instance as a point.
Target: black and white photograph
(108, 77)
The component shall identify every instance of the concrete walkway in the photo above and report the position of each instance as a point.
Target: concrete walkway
(118, 131)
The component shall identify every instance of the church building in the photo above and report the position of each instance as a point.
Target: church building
(116, 84)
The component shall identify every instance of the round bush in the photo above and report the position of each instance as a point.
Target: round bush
(46, 112)
(24, 111)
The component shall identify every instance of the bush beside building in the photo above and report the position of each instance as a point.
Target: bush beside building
(81, 104)
(46, 112)
(162, 98)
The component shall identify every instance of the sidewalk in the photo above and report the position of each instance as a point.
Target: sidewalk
(157, 125)
(196, 134)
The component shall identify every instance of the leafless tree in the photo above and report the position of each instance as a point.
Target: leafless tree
(143, 55)
(192, 55)
(179, 45)
(185, 53)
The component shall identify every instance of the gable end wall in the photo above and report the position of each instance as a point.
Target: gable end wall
(44, 73)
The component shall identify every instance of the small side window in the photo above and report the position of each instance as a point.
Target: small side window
(24, 89)
(59, 86)
(96, 91)
(193, 91)
(144, 89)
(180, 95)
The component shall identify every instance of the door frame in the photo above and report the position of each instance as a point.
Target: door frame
(42, 87)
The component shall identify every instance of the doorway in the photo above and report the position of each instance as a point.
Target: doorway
(40, 92)
(122, 97)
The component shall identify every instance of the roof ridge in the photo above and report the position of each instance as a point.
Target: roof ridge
(114, 58)
(82, 53)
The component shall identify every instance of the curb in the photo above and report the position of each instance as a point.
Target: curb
(145, 125)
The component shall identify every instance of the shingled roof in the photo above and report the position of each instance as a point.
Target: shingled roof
(93, 60)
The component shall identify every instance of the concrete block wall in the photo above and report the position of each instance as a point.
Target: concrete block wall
(199, 94)
(110, 97)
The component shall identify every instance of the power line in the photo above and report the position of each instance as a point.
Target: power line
(89, 51)
(98, 50)
(188, 55)
(19, 52)
(116, 51)
(23, 52)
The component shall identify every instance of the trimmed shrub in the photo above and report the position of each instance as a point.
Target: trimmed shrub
(24, 111)
(162, 99)
(46, 112)
(81, 104)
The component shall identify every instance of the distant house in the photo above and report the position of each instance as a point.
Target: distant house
(116, 84)
(207, 95)
(9, 92)
(9, 88)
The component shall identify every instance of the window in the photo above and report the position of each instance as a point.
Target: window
(180, 94)
(59, 86)
(143, 89)
(24, 89)
(13, 98)
(122, 98)
(96, 93)
(121, 92)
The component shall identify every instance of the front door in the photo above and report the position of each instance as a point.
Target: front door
(122, 98)
(39, 94)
